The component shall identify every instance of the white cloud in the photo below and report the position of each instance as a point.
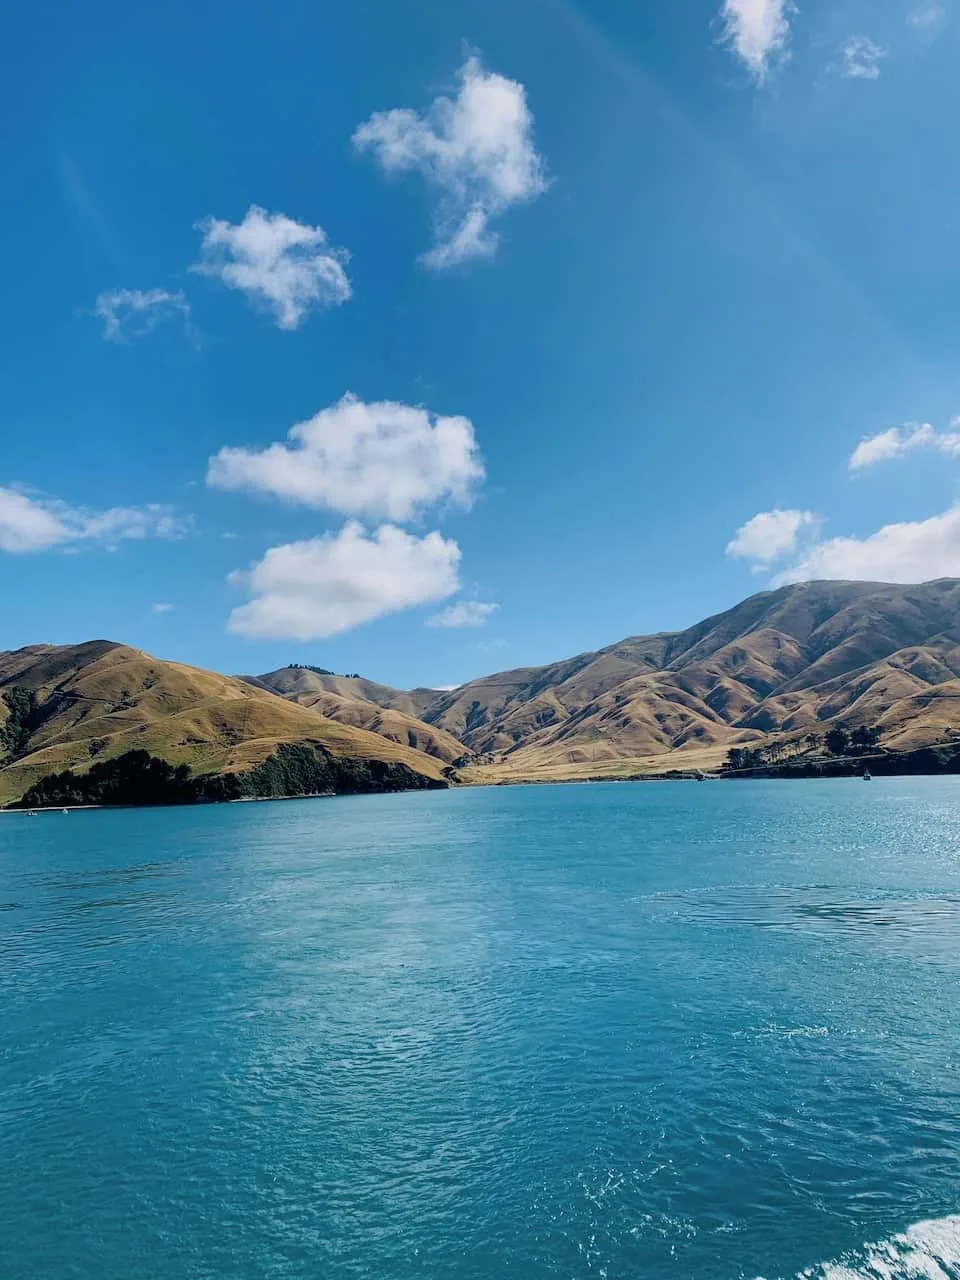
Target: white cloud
(162, 608)
(131, 313)
(756, 30)
(37, 523)
(476, 150)
(27, 524)
(317, 588)
(468, 613)
(860, 58)
(286, 264)
(915, 551)
(888, 444)
(770, 535)
(899, 441)
(383, 460)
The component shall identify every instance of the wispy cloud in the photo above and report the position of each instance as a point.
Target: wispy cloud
(757, 31)
(770, 535)
(162, 608)
(467, 613)
(288, 266)
(80, 197)
(927, 18)
(30, 522)
(900, 441)
(132, 313)
(384, 460)
(476, 150)
(321, 587)
(860, 58)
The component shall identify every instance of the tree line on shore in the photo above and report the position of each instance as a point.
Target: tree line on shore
(837, 753)
(138, 778)
(837, 742)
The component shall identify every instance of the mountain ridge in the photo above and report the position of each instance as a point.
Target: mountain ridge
(781, 662)
(781, 666)
(784, 662)
(66, 707)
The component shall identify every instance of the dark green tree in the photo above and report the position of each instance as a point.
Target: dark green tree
(20, 722)
(135, 778)
(863, 738)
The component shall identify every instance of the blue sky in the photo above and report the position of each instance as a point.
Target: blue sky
(591, 320)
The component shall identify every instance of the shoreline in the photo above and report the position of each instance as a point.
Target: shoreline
(740, 776)
(205, 804)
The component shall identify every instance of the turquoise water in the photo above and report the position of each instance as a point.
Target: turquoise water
(616, 1031)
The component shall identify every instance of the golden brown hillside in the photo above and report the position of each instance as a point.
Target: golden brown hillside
(394, 713)
(296, 681)
(351, 700)
(787, 662)
(782, 666)
(93, 702)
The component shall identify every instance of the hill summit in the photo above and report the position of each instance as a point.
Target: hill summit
(781, 665)
(784, 667)
(72, 707)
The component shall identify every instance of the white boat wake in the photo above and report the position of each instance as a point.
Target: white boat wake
(926, 1251)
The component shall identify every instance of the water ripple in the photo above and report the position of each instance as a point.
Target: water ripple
(542, 1033)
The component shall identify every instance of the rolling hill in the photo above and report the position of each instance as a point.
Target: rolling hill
(76, 705)
(780, 667)
(783, 664)
(363, 704)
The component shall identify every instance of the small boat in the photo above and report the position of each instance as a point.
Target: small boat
(66, 810)
(867, 776)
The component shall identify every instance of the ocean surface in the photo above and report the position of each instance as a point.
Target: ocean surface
(625, 1031)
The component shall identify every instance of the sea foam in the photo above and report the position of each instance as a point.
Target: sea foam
(928, 1250)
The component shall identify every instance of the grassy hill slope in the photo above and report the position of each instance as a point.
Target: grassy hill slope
(95, 701)
(363, 704)
(782, 665)
(791, 661)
